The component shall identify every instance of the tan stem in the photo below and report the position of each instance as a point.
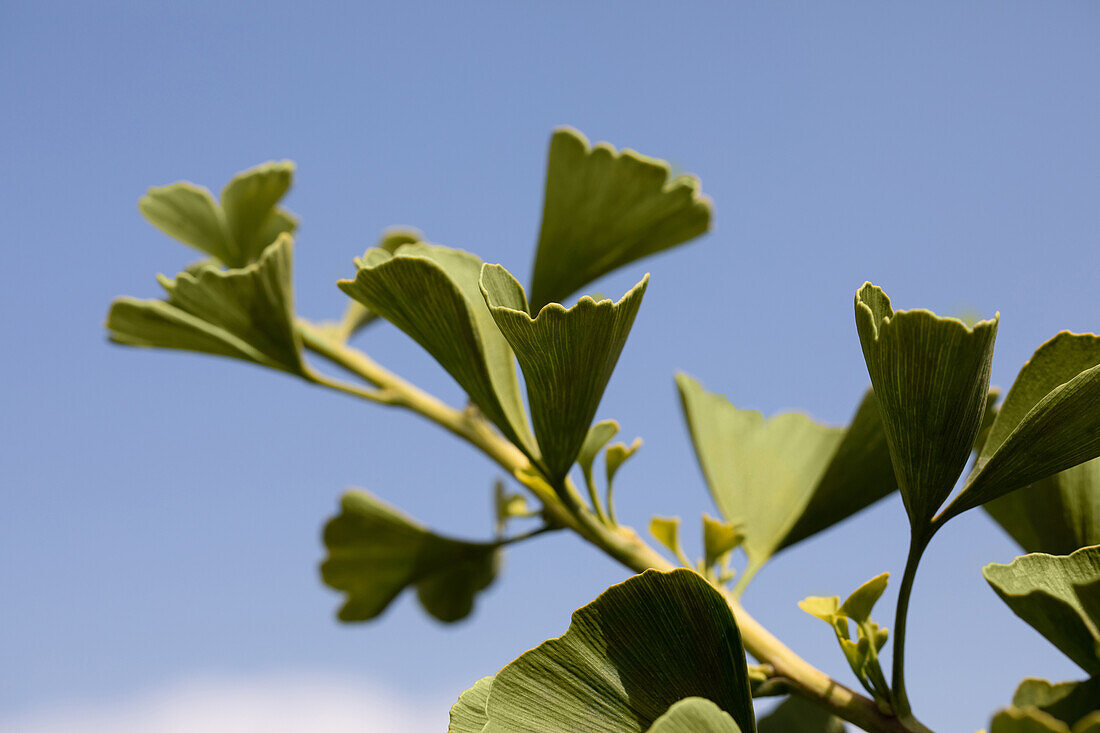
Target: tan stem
(621, 543)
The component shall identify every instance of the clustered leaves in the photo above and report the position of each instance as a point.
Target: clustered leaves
(662, 651)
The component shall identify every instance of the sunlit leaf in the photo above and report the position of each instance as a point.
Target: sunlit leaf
(695, 715)
(1068, 702)
(1026, 720)
(719, 538)
(861, 653)
(783, 479)
(799, 715)
(236, 232)
(598, 436)
(375, 552)
(249, 202)
(468, 714)
(189, 213)
(245, 313)
(567, 356)
(604, 209)
(431, 293)
(1057, 514)
(1058, 595)
(358, 315)
(1049, 422)
(931, 378)
(667, 531)
(617, 454)
(626, 658)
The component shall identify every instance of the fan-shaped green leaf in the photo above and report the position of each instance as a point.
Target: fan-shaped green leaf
(667, 531)
(250, 205)
(859, 474)
(931, 378)
(375, 552)
(239, 230)
(431, 293)
(1026, 720)
(695, 715)
(643, 645)
(358, 315)
(618, 454)
(567, 356)
(468, 714)
(604, 209)
(189, 213)
(862, 654)
(799, 715)
(598, 436)
(782, 479)
(1057, 514)
(1069, 702)
(245, 313)
(1058, 595)
(1050, 421)
(719, 538)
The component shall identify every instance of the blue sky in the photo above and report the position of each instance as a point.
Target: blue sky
(162, 510)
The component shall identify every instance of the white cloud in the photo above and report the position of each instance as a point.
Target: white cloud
(271, 704)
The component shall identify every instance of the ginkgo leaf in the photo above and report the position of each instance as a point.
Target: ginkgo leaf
(1069, 702)
(862, 653)
(1026, 720)
(695, 715)
(239, 230)
(189, 213)
(250, 201)
(1049, 421)
(567, 356)
(626, 658)
(719, 538)
(431, 293)
(358, 315)
(931, 378)
(1057, 514)
(604, 209)
(859, 474)
(1059, 596)
(618, 454)
(783, 479)
(375, 552)
(246, 313)
(598, 436)
(666, 530)
(799, 715)
(468, 714)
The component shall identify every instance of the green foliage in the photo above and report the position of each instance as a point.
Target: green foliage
(375, 552)
(567, 356)
(695, 715)
(605, 209)
(358, 316)
(665, 650)
(783, 479)
(862, 652)
(468, 713)
(799, 715)
(626, 658)
(431, 293)
(931, 377)
(237, 231)
(1059, 596)
(1057, 514)
(246, 313)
